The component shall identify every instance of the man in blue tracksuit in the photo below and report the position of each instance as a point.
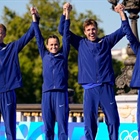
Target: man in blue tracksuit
(96, 75)
(55, 80)
(10, 78)
(135, 45)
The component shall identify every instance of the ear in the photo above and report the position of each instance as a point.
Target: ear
(84, 32)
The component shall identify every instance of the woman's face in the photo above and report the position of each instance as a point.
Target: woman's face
(53, 45)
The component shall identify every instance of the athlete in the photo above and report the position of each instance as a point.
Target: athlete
(10, 78)
(55, 80)
(96, 75)
(135, 45)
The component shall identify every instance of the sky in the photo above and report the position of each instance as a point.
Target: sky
(101, 8)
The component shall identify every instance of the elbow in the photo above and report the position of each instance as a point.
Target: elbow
(60, 31)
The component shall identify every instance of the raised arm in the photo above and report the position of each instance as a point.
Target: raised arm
(66, 33)
(74, 39)
(134, 43)
(120, 9)
(22, 41)
(116, 36)
(62, 21)
(38, 35)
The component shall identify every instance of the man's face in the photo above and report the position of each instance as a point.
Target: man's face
(91, 32)
(2, 35)
(53, 45)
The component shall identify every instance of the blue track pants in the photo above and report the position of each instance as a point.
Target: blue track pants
(8, 111)
(104, 97)
(55, 108)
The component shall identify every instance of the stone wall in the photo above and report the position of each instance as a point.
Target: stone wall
(127, 107)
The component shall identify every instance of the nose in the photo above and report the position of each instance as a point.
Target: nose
(91, 31)
(53, 46)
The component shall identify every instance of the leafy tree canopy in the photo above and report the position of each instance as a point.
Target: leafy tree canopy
(30, 61)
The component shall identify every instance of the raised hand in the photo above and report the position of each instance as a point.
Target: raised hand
(35, 14)
(33, 10)
(67, 6)
(119, 8)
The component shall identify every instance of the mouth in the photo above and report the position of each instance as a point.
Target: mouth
(54, 49)
(92, 36)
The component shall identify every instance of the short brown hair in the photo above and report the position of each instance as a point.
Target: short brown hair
(90, 22)
(3, 27)
(52, 36)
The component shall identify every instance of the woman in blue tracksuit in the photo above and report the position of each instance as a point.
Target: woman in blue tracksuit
(55, 81)
(135, 45)
(10, 78)
(96, 75)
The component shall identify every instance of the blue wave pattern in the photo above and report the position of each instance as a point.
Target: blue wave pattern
(35, 131)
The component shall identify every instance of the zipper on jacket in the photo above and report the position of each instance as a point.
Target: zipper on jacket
(96, 69)
(53, 75)
(3, 75)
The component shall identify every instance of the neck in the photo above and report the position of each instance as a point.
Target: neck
(96, 40)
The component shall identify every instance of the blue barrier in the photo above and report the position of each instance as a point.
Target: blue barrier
(35, 131)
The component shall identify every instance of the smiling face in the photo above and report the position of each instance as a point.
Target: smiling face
(91, 32)
(52, 44)
(90, 29)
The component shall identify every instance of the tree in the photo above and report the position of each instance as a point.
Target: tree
(30, 61)
(117, 66)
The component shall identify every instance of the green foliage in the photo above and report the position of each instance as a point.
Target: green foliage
(30, 61)
(117, 66)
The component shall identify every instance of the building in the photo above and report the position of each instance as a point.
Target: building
(119, 54)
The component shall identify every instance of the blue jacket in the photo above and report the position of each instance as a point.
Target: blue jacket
(135, 45)
(10, 75)
(94, 58)
(55, 66)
